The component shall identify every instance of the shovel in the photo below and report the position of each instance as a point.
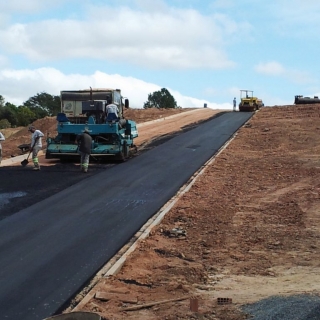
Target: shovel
(25, 161)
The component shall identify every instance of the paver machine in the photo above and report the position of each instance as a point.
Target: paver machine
(86, 109)
(248, 102)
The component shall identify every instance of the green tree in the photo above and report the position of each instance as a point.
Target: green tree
(25, 116)
(9, 112)
(13, 113)
(4, 124)
(160, 99)
(44, 104)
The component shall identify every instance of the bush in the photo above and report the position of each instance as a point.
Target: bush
(4, 124)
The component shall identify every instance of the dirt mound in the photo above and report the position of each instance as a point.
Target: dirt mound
(19, 136)
(143, 115)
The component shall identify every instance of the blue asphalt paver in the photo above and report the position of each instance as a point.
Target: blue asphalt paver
(50, 250)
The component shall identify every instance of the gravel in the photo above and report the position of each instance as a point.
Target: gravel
(297, 307)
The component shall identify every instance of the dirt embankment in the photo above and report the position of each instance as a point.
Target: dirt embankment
(48, 125)
(248, 228)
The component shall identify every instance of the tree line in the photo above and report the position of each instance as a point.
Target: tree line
(39, 106)
(46, 105)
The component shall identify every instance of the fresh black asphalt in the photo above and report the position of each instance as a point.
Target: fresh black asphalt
(50, 249)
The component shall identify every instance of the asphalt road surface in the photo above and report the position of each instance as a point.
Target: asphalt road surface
(51, 249)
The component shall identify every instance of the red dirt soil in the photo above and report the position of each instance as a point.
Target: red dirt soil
(248, 228)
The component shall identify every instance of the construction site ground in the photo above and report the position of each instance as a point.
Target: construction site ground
(247, 229)
(20, 136)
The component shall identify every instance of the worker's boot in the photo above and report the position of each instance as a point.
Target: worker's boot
(36, 166)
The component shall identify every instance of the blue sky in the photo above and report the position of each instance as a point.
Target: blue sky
(201, 51)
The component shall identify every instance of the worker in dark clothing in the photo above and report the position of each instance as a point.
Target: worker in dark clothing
(84, 141)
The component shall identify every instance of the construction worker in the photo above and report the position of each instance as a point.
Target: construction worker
(84, 142)
(112, 112)
(36, 145)
(234, 104)
(2, 138)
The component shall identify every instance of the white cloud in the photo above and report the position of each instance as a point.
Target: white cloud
(3, 61)
(227, 92)
(131, 36)
(296, 18)
(172, 39)
(18, 86)
(222, 4)
(29, 7)
(152, 6)
(300, 77)
(274, 68)
(270, 68)
(272, 100)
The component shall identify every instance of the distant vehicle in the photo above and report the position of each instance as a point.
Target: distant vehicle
(86, 110)
(248, 102)
(306, 100)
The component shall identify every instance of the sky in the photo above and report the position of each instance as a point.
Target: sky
(203, 52)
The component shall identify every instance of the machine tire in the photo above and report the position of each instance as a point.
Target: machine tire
(123, 154)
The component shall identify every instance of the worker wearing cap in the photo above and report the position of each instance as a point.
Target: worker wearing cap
(2, 138)
(84, 142)
(36, 145)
